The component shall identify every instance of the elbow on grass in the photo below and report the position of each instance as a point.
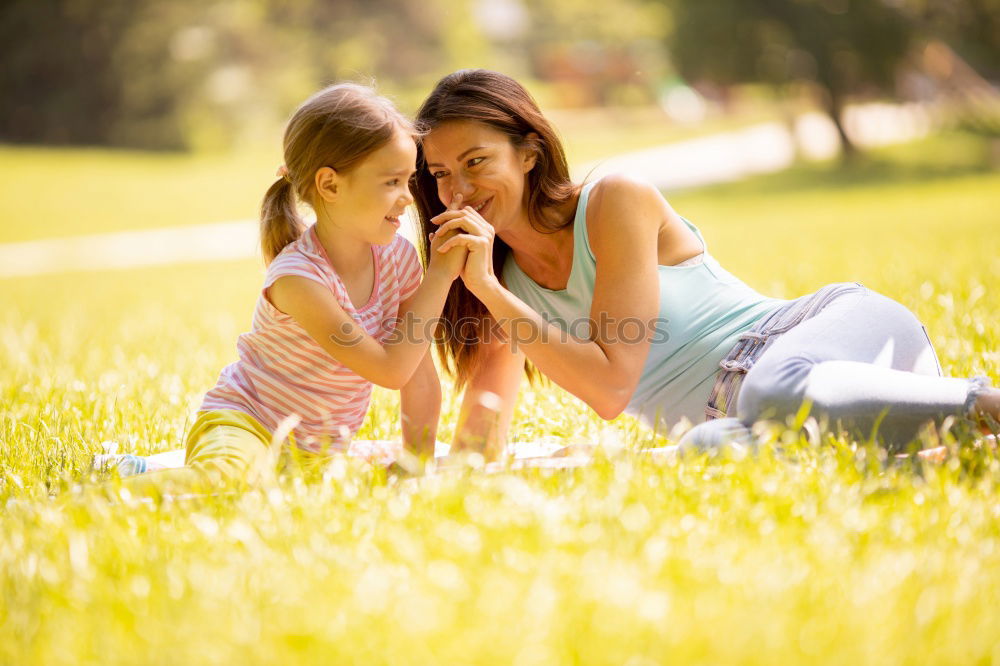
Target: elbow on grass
(612, 395)
(610, 406)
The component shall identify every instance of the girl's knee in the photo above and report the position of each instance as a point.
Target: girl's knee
(227, 465)
(228, 454)
(223, 469)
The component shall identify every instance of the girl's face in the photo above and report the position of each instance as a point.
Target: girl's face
(370, 198)
(481, 163)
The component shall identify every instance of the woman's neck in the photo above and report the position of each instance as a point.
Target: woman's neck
(540, 254)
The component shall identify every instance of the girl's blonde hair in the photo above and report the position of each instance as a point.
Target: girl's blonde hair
(337, 127)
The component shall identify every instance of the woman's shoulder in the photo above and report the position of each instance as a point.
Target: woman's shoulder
(636, 208)
(620, 203)
(618, 189)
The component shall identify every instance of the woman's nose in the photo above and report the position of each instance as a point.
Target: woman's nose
(461, 186)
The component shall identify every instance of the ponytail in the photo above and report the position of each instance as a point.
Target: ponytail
(280, 223)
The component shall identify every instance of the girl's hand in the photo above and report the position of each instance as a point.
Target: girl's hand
(449, 263)
(465, 228)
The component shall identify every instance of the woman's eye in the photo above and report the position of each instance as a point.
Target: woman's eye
(475, 160)
(438, 175)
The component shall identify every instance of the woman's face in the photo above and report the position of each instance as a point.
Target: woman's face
(481, 163)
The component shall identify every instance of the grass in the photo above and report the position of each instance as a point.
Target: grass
(50, 193)
(801, 554)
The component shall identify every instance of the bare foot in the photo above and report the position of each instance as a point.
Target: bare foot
(574, 450)
(937, 454)
(988, 441)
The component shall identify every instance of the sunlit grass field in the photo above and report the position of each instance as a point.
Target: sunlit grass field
(827, 554)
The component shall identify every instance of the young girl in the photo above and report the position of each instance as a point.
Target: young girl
(332, 316)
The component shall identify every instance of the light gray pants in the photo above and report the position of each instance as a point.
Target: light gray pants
(862, 361)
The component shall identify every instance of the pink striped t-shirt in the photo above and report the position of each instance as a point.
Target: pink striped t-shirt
(282, 371)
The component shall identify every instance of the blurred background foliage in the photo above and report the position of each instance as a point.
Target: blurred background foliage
(213, 74)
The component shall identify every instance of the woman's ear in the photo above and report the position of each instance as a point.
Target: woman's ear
(529, 151)
(326, 181)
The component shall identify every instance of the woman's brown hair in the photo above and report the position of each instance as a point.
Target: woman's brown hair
(502, 103)
(337, 127)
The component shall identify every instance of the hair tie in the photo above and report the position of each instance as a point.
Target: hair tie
(282, 172)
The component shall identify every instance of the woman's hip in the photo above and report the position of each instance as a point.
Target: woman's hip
(843, 321)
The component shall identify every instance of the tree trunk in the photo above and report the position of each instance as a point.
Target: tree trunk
(835, 109)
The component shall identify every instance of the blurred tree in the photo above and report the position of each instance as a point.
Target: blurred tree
(104, 72)
(970, 27)
(206, 73)
(961, 56)
(60, 80)
(597, 53)
(174, 74)
(841, 46)
(404, 44)
(171, 74)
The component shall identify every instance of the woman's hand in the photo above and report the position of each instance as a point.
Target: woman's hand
(448, 262)
(624, 219)
(465, 228)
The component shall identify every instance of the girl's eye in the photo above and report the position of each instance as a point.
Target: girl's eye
(394, 182)
(474, 161)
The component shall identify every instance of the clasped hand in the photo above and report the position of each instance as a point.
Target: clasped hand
(463, 227)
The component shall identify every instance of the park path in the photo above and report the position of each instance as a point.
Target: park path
(723, 157)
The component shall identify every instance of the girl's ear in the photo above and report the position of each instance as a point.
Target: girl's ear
(529, 150)
(326, 182)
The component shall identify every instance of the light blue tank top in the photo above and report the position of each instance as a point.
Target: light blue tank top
(703, 311)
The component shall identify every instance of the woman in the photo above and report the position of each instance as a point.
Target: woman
(612, 295)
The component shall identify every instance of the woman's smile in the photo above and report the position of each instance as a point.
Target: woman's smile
(481, 206)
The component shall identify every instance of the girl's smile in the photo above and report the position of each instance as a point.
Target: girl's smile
(376, 189)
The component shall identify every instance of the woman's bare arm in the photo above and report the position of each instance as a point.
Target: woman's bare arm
(420, 408)
(625, 217)
(488, 403)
